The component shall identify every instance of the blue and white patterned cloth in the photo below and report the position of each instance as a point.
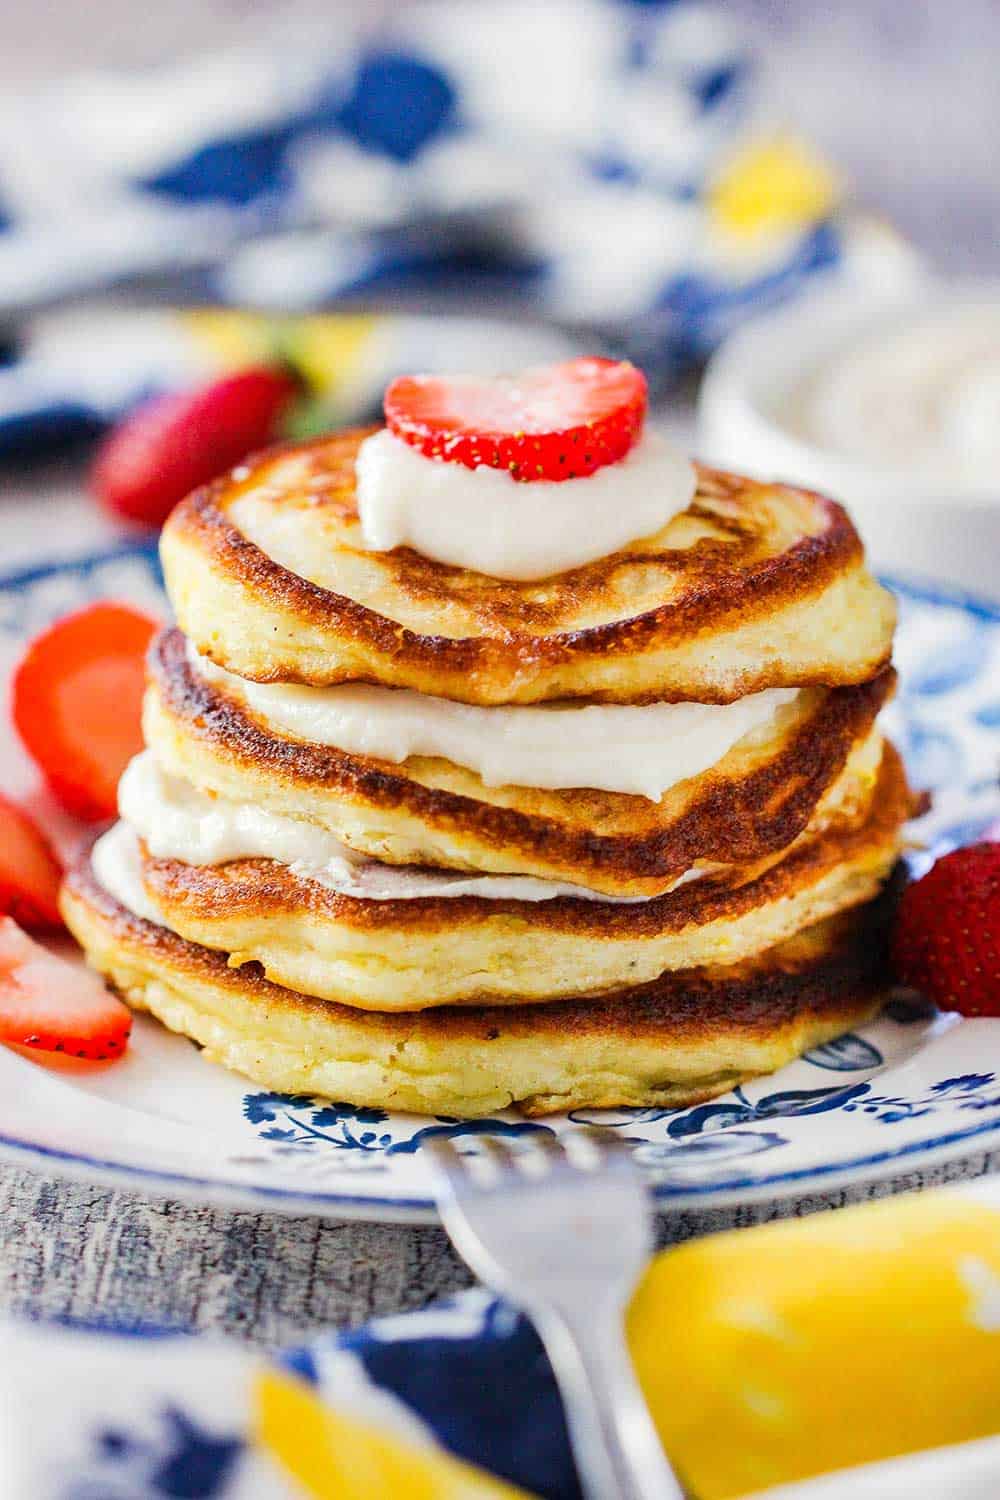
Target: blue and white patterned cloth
(600, 163)
(458, 1402)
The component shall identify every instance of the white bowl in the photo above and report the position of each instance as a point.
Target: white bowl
(910, 526)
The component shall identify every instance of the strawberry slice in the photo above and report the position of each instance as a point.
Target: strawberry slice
(172, 444)
(29, 871)
(555, 422)
(77, 699)
(56, 1006)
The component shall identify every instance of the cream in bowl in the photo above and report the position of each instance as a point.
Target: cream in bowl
(894, 405)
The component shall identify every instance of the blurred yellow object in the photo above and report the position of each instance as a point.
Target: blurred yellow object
(234, 339)
(772, 1354)
(770, 186)
(336, 1457)
(325, 349)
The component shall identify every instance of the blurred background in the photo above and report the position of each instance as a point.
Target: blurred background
(190, 190)
(902, 93)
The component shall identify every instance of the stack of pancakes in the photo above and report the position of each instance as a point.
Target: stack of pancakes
(676, 946)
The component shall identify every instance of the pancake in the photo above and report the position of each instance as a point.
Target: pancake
(400, 955)
(816, 761)
(754, 586)
(682, 1039)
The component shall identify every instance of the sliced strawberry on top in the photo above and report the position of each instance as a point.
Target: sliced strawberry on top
(555, 422)
(29, 871)
(77, 699)
(172, 444)
(56, 1006)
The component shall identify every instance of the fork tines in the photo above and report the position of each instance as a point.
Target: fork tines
(534, 1155)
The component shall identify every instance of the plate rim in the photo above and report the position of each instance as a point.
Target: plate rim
(829, 1177)
(338, 1203)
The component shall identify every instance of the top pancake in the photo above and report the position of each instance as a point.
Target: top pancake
(754, 586)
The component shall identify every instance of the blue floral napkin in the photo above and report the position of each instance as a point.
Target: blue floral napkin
(601, 163)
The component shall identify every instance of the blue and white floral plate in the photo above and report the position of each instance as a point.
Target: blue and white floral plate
(910, 1090)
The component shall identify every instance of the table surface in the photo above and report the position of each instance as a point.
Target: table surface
(923, 109)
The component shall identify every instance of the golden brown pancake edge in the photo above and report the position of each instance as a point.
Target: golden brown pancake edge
(773, 619)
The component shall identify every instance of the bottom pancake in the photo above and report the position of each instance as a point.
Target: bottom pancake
(683, 1038)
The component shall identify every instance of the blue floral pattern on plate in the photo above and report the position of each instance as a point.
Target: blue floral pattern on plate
(906, 1090)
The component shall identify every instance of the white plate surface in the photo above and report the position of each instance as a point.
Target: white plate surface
(909, 1090)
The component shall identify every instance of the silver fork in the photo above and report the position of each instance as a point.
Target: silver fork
(561, 1227)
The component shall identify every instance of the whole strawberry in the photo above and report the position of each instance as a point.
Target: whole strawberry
(172, 444)
(946, 941)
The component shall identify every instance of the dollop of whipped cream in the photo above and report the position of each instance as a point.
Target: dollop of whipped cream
(643, 750)
(176, 820)
(922, 397)
(487, 521)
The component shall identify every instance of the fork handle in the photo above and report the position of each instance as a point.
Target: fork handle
(617, 1450)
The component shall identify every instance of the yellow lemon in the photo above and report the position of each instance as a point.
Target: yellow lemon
(776, 1353)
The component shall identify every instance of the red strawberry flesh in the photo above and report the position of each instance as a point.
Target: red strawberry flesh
(556, 422)
(946, 941)
(76, 701)
(29, 871)
(56, 1006)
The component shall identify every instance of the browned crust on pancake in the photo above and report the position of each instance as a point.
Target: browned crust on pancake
(267, 887)
(837, 969)
(726, 581)
(607, 841)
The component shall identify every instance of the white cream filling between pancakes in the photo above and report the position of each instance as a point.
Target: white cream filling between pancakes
(642, 750)
(177, 821)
